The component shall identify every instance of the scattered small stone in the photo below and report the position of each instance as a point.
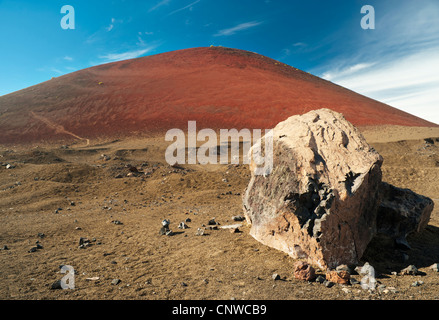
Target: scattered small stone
(381, 288)
(5, 247)
(354, 281)
(346, 290)
(304, 271)
(391, 289)
(417, 283)
(212, 222)
(188, 220)
(235, 230)
(115, 282)
(275, 276)
(163, 231)
(169, 233)
(41, 235)
(435, 267)
(83, 240)
(92, 279)
(78, 228)
(341, 277)
(166, 223)
(182, 225)
(328, 284)
(117, 222)
(84, 243)
(320, 279)
(183, 284)
(200, 232)
(238, 218)
(33, 249)
(105, 157)
(410, 270)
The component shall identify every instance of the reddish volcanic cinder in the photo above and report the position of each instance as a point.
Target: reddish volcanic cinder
(217, 87)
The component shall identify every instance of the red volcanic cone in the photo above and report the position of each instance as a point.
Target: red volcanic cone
(217, 87)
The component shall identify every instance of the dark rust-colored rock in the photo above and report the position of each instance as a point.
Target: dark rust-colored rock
(304, 271)
(341, 277)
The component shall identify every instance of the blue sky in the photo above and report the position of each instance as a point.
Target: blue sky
(396, 63)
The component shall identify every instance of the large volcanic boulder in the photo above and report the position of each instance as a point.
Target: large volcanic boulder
(320, 200)
(402, 212)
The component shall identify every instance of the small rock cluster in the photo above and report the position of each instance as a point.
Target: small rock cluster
(212, 224)
(342, 275)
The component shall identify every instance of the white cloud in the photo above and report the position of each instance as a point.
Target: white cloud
(189, 6)
(111, 26)
(56, 71)
(410, 83)
(68, 58)
(239, 27)
(338, 74)
(398, 63)
(112, 57)
(159, 4)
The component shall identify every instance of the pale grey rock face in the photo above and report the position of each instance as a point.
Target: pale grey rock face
(320, 201)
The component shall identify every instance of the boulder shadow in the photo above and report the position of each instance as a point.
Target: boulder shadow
(385, 256)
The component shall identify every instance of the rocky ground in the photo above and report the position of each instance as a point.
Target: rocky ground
(100, 209)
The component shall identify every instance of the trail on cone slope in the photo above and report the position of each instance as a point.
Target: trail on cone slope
(57, 127)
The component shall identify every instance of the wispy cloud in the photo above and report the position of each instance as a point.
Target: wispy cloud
(141, 42)
(68, 58)
(238, 28)
(57, 70)
(159, 4)
(111, 26)
(189, 6)
(410, 84)
(112, 57)
(397, 63)
(338, 74)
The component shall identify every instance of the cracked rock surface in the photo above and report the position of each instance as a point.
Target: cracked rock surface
(319, 203)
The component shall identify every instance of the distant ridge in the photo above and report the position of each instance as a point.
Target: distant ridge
(218, 87)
